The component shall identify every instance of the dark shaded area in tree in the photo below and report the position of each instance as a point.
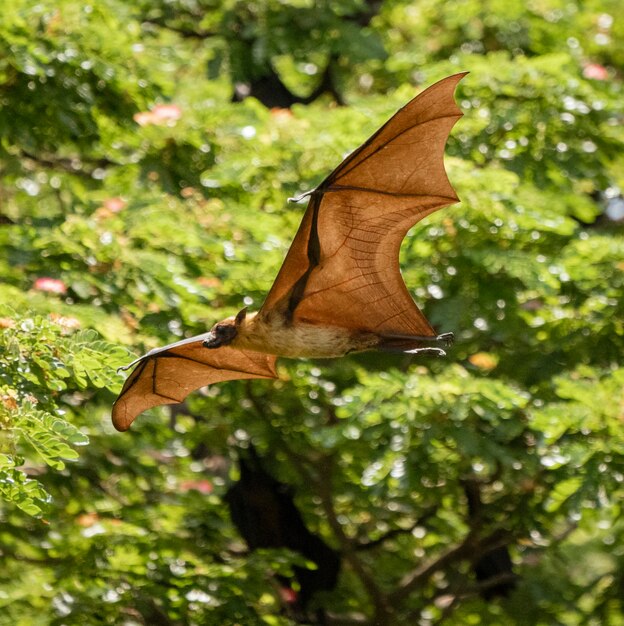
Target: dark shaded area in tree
(271, 91)
(268, 87)
(609, 211)
(492, 563)
(254, 75)
(264, 511)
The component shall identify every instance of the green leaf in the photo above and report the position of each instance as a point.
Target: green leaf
(25, 493)
(562, 492)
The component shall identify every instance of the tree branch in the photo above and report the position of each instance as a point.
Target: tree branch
(469, 548)
(417, 577)
(71, 165)
(369, 545)
(347, 620)
(186, 33)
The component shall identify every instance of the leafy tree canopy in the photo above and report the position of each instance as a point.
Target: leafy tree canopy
(147, 152)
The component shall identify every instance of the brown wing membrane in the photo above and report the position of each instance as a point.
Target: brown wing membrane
(167, 375)
(343, 266)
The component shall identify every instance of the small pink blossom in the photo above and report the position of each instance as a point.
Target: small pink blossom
(166, 112)
(595, 71)
(288, 595)
(114, 204)
(160, 115)
(203, 486)
(280, 113)
(65, 322)
(144, 118)
(51, 285)
(209, 281)
(86, 520)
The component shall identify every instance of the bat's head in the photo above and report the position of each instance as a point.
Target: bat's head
(223, 333)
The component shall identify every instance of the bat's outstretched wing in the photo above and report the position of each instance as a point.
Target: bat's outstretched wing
(167, 375)
(343, 266)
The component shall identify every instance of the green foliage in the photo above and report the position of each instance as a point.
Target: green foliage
(140, 204)
(42, 358)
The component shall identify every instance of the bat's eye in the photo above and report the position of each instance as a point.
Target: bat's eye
(225, 332)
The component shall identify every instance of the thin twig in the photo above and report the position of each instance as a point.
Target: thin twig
(417, 577)
(369, 545)
(186, 33)
(68, 164)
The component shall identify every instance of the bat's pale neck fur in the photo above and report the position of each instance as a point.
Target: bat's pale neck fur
(273, 335)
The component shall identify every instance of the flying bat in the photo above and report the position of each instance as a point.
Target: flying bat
(340, 288)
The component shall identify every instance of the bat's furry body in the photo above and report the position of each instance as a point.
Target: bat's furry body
(273, 335)
(340, 288)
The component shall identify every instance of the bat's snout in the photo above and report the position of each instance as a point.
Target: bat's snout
(212, 341)
(220, 335)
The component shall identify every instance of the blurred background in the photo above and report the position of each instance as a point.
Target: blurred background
(147, 151)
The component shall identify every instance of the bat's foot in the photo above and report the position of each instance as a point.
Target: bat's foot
(428, 351)
(446, 338)
(406, 348)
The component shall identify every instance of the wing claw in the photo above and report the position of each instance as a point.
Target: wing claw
(302, 196)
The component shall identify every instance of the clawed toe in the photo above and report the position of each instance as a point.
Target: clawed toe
(430, 351)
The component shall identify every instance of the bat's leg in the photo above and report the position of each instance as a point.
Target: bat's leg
(413, 344)
(445, 338)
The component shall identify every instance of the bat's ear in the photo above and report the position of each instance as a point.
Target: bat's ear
(240, 316)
